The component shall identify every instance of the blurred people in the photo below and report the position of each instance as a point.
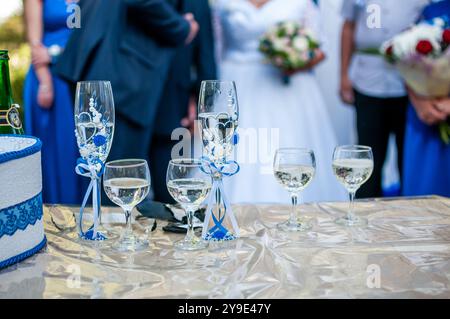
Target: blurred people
(273, 114)
(130, 43)
(371, 84)
(180, 88)
(427, 158)
(48, 102)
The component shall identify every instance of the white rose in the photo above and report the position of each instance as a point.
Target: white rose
(290, 27)
(279, 44)
(301, 44)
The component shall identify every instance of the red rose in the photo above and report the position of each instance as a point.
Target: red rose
(446, 36)
(390, 50)
(424, 47)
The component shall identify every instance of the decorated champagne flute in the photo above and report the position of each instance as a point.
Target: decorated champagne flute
(94, 130)
(294, 169)
(189, 185)
(352, 166)
(127, 183)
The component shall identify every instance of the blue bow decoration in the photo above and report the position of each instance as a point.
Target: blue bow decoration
(94, 171)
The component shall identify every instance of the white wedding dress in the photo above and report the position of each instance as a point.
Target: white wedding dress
(272, 114)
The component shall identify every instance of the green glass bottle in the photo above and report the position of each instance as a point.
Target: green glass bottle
(10, 122)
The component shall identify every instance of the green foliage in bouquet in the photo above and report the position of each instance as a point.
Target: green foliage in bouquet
(288, 46)
(444, 130)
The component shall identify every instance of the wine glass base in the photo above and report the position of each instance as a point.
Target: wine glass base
(352, 222)
(130, 243)
(90, 236)
(191, 244)
(300, 225)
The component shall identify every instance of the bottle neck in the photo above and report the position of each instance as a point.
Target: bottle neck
(5, 85)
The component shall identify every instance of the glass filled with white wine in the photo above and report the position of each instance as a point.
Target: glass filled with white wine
(294, 169)
(127, 183)
(189, 185)
(352, 166)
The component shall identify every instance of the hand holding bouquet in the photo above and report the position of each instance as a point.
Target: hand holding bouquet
(289, 46)
(422, 56)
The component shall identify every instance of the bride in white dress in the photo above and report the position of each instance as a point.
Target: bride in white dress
(273, 114)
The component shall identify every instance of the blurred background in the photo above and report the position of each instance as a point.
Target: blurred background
(12, 38)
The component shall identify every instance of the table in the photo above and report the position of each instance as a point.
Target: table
(404, 253)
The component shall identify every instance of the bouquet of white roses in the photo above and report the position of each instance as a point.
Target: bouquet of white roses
(288, 46)
(422, 56)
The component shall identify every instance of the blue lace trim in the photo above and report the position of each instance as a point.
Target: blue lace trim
(20, 216)
(13, 260)
(8, 156)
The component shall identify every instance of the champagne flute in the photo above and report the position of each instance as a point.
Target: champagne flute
(218, 114)
(127, 183)
(94, 123)
(294, 169)
(189, 185)
(352, 166)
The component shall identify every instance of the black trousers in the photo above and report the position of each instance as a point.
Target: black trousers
(160, 156)
(377, 118)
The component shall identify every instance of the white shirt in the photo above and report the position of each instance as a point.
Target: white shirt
(377, 21)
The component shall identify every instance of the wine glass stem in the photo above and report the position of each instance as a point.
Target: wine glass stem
(99, 199)
(294, 212)
(350, 214)
(129, 229)
(190, 220)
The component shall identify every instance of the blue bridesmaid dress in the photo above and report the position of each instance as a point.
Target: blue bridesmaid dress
(426, 158)
(54, 126)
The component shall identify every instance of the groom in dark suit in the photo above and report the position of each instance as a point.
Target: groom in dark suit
(130, 43)
(191, 65)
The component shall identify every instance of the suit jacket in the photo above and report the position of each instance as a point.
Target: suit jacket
(191, 65)
(130, 43)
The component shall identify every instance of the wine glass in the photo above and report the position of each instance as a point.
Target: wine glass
(127, 183)
(294, 169)
(218, 113)
(189, 185)
(352, 166)
(94, 123)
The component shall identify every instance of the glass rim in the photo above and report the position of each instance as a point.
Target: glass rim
(353, 148)
(294, 149)
(94, 82)
(219, 81)
(187, 162)
(137, 162)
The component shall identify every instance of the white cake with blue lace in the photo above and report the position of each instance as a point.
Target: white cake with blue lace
(21, 211)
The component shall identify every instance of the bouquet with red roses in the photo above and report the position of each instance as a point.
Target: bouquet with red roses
(422, 56)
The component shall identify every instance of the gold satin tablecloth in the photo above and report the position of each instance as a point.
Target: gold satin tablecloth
(404, 253)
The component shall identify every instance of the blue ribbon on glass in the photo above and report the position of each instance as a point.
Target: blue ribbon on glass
(93, 171)
(219, 232)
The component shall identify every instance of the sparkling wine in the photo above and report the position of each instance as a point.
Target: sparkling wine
(126, 192)
(189, 191)
(294, 178)
(218, 132)
(353, 173)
